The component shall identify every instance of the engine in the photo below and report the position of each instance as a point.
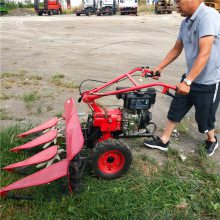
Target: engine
(136, 114)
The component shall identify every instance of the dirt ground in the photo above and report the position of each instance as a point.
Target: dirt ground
(44, 55)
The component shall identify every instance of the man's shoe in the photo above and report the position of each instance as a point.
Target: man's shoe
(157, 144)
(211, 147)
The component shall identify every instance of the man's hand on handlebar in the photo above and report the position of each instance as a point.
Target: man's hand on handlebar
(156, 73)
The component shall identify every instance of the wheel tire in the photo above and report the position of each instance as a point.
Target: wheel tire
(110, 159)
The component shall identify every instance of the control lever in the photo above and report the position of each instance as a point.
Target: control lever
(149, 73)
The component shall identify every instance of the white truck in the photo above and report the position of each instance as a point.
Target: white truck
(106, 7)
(89, 7)
(128, 6)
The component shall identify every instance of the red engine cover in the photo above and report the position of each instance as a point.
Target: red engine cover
(108, 121)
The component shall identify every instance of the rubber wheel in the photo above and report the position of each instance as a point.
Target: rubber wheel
(110, 159)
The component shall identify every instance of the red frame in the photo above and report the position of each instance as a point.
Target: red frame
(110, 120)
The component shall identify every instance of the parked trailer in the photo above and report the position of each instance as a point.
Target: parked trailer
(50, 7)
(89, 7)
(163, 6)
(106, 7)
(128, 7)
(214, 4)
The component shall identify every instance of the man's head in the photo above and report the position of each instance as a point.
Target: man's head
(187, 7)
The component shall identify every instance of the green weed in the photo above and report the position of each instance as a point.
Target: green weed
(9, 75)
(31, 97)
(58, 76)
(36, 77)
(4, 115)
(59, 114)
(182, 128)
(57, 80)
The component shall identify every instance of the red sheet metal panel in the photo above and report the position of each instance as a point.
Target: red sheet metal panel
(49, 124)
(74, 136)
(40, 157)
(44, 176)
(45, 138)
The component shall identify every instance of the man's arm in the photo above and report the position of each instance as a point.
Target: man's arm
(205, 47)
(171, 56)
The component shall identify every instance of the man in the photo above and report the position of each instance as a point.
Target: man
(199, 35)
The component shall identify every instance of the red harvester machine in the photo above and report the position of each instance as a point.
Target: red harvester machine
(100, 137)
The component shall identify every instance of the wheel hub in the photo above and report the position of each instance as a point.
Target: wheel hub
(111, 162)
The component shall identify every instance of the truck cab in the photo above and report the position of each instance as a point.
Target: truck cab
(89, 7)
(128, 7)
(50, 7)
(3, 8)
(106, 7)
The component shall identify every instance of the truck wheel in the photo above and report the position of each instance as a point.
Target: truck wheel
(50, 12)
(110, 159)
(77, 14)
(39, 14)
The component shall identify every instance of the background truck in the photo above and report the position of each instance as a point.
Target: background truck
(214, 4)
(128, 7)
(89, 7)
(3, 8)
(50, 7)
(163, 6)
(106, 7)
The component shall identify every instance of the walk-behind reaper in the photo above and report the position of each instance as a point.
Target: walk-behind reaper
(97, 142)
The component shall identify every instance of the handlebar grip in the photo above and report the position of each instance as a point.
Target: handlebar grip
(157, 73)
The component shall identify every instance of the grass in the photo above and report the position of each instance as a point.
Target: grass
(43, 108)
(59, 114)
(57, 80)
(4, 96)
(182, 127)
(30, 97)
(146, 8)
(4, 115)
(176, 190)
(9, 80)
(7, 75)
(36, 77)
